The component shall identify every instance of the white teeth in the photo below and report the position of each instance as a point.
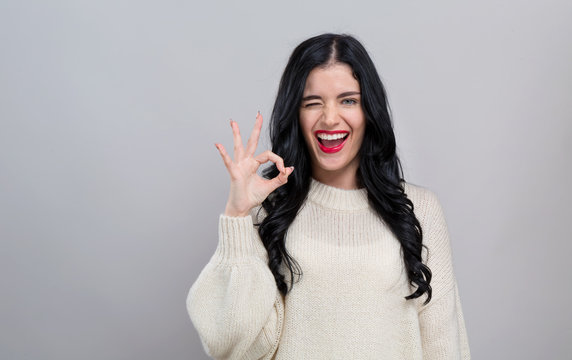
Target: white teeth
(332, 137)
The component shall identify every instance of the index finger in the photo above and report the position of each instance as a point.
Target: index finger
(254, 136)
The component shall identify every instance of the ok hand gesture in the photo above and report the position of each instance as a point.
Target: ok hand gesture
(247, 188)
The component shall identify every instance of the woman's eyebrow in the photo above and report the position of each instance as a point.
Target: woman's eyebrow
(348, 93)
(342, 95)
(311, 97)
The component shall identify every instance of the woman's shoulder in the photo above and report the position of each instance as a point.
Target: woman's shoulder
(417, 192)
(425, 201)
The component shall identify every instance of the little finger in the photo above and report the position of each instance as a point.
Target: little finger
(225, 157)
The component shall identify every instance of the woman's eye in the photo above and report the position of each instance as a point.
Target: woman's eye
(311, 104)
(349, 101)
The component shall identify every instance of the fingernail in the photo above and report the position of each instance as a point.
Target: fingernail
(230, 122)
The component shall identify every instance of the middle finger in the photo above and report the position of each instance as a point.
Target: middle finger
(253, 140)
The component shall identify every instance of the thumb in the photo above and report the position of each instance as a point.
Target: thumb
(280, 179)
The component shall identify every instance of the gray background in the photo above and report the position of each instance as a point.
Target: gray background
(111, 187)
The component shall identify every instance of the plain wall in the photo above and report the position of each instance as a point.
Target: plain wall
(111, 187)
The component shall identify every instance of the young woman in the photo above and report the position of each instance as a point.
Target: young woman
(331, 254)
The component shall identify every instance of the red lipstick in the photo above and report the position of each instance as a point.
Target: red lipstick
(334, 149)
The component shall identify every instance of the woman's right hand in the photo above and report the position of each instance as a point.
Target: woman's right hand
(247, 188)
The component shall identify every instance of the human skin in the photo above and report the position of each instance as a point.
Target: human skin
(247, 188)
(332, 102)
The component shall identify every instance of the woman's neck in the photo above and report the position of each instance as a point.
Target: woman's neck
(342, 180)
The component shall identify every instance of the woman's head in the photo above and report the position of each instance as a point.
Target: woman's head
(333, 124)
(320, 53)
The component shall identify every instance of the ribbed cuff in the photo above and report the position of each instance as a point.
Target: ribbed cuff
(238, 240)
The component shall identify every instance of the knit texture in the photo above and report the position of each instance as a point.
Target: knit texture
(350, 301)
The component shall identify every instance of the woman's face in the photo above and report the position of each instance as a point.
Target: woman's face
(333, 124)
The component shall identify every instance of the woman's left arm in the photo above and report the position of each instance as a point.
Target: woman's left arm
(443, 331)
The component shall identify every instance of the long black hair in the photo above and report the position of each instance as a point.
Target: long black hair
(380, 170)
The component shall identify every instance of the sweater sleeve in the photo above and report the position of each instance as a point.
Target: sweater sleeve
(234, 304)
(442, 325)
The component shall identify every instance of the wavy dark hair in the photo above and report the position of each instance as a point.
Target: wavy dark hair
(380, 170)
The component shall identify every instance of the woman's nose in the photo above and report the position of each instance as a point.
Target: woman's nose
(330, 117)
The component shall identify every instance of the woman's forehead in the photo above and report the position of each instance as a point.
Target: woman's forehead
(333, 78)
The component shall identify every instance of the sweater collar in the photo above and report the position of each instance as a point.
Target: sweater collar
(336, 198)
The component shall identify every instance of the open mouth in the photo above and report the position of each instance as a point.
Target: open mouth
(331, 141)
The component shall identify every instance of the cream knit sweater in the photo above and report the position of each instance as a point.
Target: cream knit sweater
(349, 303)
